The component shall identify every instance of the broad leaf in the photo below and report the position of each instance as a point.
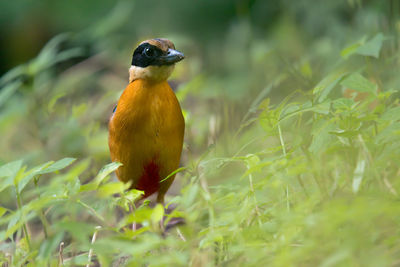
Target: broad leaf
(105, 171)
(392, 114)
(326, 85)
(357, 82)
(112, 188)
(372, 47)
(28, 176)
(58, 165)
(8, 172)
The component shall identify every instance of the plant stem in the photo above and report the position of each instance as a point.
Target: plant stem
(93, 240)
(24, 227)
(60, 255)
(281, 140)
(255, 199)
(42, 216)
(284, 153)
(207, 195)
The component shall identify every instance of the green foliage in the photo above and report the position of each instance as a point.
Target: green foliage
(291, 149)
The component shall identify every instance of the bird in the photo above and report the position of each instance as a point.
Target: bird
(146, 128)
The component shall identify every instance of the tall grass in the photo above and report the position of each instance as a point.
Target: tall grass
(291, 158)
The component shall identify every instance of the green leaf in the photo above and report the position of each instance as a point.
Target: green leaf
(74, 186)
(79, 110)
(2, 211)
(9, 171)
(67, 54)
(78, 260)
(14, 223)
(290, 109)
(372, 47)
(321, 139)
(80, 231)
(76, 170)
(133, 195)
(173, 173)
(50, 55)
(261, 96)
(7, 91)
(112, 188)
(13, 74)
(326, 85)
(392, 114)
(343, 104)
(389, 135)
(88, 187)
(357, 82)
(53, 101)
(157, 213)
(322, 108)
(365, 48)
(256, 168)
(49, 245)
(105, 171)
(58, 165)
(293, 110)
(345, 133)
(351, 49)
(42, 202)
(143, 214)
(28, 176)
(252, 160)
(90, 210)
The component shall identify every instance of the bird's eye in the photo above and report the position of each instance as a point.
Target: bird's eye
(149, 52)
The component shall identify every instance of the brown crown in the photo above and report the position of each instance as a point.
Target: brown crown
(161, 43)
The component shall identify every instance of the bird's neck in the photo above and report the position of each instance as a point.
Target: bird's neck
(147, 85)
(150, 73)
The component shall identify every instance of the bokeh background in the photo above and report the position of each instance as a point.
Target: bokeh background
(67, 62)
(258, 189)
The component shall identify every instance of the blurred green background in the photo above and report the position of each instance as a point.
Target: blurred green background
(64, 92)
(292, 138)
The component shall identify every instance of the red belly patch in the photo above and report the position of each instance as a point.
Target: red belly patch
(150, 179)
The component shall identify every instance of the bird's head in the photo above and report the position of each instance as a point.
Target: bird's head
(154, 60)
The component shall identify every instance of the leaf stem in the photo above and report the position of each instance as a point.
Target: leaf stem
(91, 249)
(24, 227)
(281, 140)
(42, 216)
(255, 199)
(284, 153)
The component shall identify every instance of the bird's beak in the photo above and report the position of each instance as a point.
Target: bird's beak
(171, 57)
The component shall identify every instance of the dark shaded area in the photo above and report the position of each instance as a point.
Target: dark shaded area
(26, 26)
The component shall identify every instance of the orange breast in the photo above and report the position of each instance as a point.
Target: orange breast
(146, 135)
